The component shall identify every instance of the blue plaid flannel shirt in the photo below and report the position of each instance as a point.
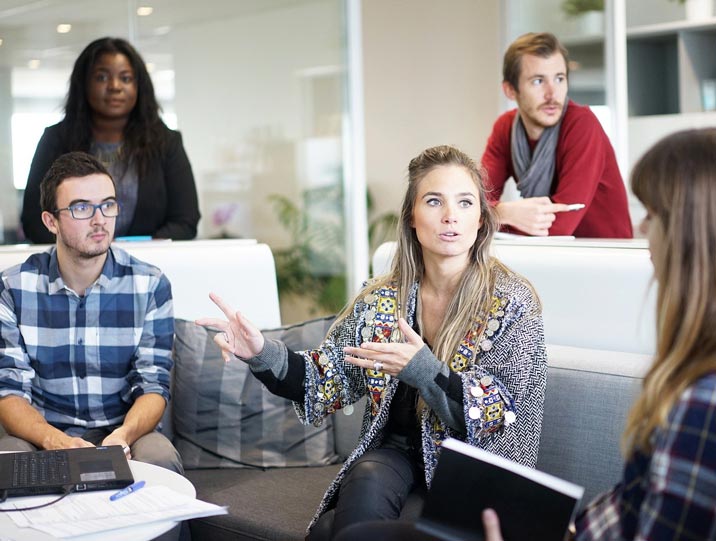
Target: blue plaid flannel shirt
(670, 494)
(82, 361)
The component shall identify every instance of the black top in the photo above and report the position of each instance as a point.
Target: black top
(403, 418)
(167, 203)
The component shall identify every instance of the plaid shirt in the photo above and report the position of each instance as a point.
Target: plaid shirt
(82, 361)
(672, 493)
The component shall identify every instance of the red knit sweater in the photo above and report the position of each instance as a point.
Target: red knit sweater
(585, 172)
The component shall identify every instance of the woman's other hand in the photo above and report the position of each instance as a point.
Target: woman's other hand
(491, 524)
(237, 336)
(387, 357)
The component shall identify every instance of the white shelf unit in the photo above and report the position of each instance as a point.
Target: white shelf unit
(586, 79)
(667, 64)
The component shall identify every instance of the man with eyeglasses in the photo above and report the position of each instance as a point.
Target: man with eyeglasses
(86, 330)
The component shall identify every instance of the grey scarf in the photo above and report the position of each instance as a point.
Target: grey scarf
(534, 172)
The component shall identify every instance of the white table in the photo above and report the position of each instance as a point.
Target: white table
(153, 475)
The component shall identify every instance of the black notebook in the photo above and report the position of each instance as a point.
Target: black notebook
(47, 472)
(531, 504)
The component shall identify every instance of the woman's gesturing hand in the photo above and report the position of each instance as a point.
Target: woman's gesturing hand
(387, 357)
(238, 335)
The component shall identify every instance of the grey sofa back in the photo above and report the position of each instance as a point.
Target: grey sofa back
(589, 394)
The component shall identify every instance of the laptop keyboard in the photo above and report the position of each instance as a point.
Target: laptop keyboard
(41, 469)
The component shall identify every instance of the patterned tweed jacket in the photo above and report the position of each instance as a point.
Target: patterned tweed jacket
(501, 363)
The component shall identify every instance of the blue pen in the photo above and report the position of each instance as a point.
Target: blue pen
(128, 490)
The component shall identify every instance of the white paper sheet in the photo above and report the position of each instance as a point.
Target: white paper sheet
(91, 512)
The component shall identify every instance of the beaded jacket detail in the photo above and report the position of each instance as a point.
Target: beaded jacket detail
(501, 362)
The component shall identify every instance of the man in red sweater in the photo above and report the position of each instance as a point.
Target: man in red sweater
(555, 149)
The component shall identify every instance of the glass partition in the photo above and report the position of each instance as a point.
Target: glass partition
(256, 87)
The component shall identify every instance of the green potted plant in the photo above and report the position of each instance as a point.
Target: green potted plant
(589, 15)
(312, 267)
(575, 8)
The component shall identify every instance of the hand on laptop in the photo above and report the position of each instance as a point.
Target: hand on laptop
(79, 442)
(63, 441)
(116, 439)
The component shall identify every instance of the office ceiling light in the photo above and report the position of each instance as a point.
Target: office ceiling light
(144, 11)
(33, 64)
(64, 28)
(0, 42)
(151, 66)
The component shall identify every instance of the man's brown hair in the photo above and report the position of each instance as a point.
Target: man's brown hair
(72, 164)
(541, 44)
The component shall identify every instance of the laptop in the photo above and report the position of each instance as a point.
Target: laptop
(76, 470)
(531, 504)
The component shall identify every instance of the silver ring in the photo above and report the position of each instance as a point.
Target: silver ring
(377, 366)
(226, 336)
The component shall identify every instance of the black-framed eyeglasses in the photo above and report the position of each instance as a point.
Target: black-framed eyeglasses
(85, 211)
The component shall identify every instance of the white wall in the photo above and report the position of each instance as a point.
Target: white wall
(432, 76)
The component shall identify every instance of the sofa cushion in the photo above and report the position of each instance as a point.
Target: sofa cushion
(224, 417)
(275, 504)
(589, 394)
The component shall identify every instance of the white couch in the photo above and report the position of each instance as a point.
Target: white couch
(241, 271)
(595, 294)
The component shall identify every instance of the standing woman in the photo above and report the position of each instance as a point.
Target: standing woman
(449, 343)
(112, 113)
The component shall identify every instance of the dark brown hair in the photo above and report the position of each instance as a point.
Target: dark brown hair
(72, 164)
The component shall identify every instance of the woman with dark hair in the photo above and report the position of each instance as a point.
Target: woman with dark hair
(112, 113)
(449, 343)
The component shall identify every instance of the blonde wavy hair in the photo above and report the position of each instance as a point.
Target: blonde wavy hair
(676, 182)
(474, 293)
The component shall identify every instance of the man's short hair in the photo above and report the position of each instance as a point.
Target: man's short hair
(543, 45)
(72, 164)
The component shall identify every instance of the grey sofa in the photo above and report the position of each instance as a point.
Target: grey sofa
(588, 395)
(588, 391)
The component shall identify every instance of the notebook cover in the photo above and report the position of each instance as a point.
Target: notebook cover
(531, 504)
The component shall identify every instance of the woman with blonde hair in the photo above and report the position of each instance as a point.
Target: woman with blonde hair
(448, 343)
